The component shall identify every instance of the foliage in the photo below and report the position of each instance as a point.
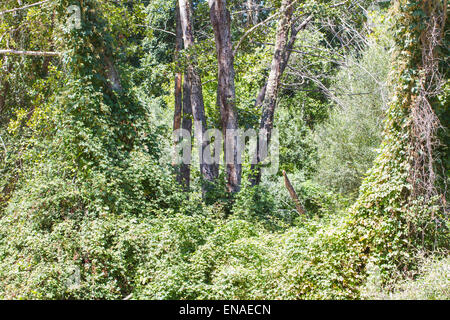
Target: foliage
(347, 142)
(387, 219)
(430, 282)
(89, 204)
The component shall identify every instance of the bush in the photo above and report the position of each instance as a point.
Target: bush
(430, 282)
(312, 261)
(347, 143)
(105, 258)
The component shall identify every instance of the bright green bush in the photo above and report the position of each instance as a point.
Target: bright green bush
(347, 142)
(313, 261)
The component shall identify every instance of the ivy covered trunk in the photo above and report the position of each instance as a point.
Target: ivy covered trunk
(399, 208)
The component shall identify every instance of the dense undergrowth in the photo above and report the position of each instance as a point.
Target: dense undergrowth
(89, 211)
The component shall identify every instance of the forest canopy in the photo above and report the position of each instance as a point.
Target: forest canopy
(257, 149)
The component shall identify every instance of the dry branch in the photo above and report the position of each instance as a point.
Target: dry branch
(24, 7)
(29, 53)
(293, 194)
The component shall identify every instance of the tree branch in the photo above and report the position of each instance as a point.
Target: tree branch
(24, 7)
(29, 53)
(253, 29)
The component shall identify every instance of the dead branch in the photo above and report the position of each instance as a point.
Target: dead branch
(24, 7)
(293, 194)
(29, 53)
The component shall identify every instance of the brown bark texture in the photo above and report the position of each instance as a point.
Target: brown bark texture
(226, 92)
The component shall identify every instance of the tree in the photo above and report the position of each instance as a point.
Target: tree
(399, 207)
(226, 92)
(273, 84)
(195, 90)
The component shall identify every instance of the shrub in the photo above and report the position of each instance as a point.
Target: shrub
(347, 142)
(430, 282)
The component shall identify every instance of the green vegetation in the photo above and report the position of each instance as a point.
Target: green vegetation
(92, 207)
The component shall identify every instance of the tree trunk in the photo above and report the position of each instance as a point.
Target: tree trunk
(195, 85)
(185, 168)
(226, 93)
(178, 92)
(112, 74)
(286, 56)
(183, 112)
(273, 83)
(29, 53)
(4, 87)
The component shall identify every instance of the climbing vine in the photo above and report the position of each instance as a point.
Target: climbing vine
(398, 210)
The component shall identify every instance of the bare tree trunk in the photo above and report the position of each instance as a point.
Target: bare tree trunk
(194, 81)
(182, 105)
(226, 92)
(273, 83)
(185, 169)
(4, 89)
(178, 91)
(112, 74)
(28, 53)
(286, 56)
(4, 86)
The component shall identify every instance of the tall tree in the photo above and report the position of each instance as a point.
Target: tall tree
(178, 91)
(183, 111)
(398, 206)
(273, 83)
(195, 89)
(226, 92)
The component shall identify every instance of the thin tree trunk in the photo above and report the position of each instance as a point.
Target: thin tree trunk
(185, 169)
(178, 93)
(226, 92)
(28, 53)
(194, 81)
(252, 13)
(4, 85)
(112, 73)
(286, 56)
(4, 89)
(183, 111)
(273, 83)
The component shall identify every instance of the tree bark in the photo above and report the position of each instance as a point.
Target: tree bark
(183, 111)
(226, 92)
(273, 83)
(112, 73)
(29, 53)
(178, 93)
(4, 89)
(185, 169)
(286, 56)
(252, 13)
(196, 93)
